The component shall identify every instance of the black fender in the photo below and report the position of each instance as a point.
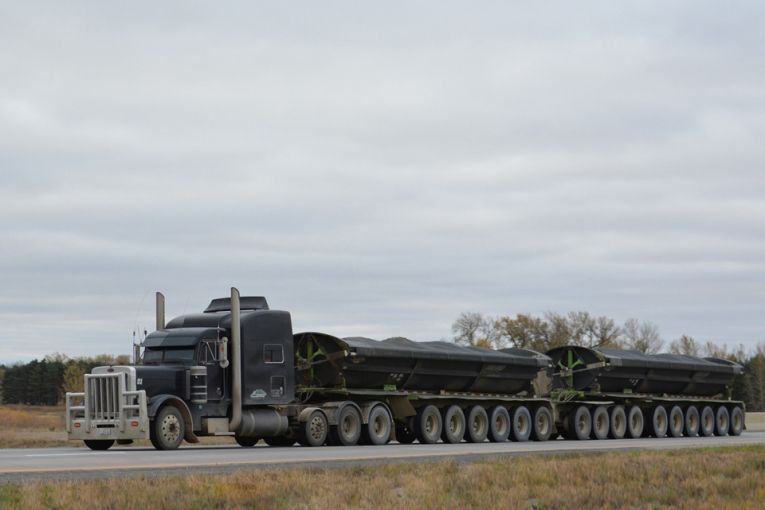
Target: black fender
(157, 402)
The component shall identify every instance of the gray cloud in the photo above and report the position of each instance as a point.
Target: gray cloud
(376, 170)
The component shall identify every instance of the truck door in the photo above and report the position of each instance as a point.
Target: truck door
(216, 376)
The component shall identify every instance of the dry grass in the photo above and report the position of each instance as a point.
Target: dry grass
(31, 426)
(704, 478)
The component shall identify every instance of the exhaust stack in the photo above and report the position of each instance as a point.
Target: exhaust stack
(236, 360)
(160, 311)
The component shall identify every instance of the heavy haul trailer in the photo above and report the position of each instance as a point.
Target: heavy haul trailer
(311, 388)
(613, 393)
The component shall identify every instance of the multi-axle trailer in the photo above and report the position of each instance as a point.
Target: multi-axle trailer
(238, 370)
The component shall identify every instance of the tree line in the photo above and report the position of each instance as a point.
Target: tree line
(45, 381)
(542, 333)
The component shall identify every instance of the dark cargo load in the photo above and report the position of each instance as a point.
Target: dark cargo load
(362, 363)
(611, 370)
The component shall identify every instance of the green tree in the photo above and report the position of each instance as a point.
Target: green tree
(73, 378)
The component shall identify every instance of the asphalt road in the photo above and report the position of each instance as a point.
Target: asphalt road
(77, 463)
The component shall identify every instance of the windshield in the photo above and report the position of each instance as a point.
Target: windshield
(169, 356)
(184, 356)
(152, 356)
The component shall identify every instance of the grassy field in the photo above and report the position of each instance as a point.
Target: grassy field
(704, 478)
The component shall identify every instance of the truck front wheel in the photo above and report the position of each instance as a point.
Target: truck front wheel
(167, 429)
(99, 444)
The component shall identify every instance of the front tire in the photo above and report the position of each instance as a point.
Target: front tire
(167, 430)
(99, 444)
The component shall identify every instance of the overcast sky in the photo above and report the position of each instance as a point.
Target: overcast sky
(377, 168)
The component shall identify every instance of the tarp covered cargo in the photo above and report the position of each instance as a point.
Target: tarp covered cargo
(362, 363)
(618, 370)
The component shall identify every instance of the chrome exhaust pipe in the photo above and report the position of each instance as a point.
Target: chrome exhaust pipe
(236, 360)
(160, 311)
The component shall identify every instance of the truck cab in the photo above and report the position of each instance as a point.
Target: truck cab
(184, 382)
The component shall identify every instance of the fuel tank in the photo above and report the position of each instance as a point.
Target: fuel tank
(362, 363)
(612, 370)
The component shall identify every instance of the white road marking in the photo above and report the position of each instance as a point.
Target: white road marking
(69, 454)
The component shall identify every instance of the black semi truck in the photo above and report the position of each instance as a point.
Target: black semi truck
(237, 369)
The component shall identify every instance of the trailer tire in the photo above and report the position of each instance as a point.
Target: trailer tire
(707, 422)
(246, 442)
(315, 430)
(99, 444)
(522, 424)
(691, 428)
(499, 424)
(378, 429)
(635, 422)
(659, 421)
(453, 429)
(618, 423)
(348, 429)
(601, 424)
(167, 429)
(405, 434)
(578, 424)
(543, 424)
(676, 422)
(736, 421)
(428, 425)
(477, 425)
(722, 421)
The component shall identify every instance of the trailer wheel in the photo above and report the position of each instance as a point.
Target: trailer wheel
(428, 425)
(635, 422)
(167, 430)
(736, 421)
(287, 440)
(601, 425)
(379, 427)
(477, 425)
(99, 444)
(722, 421)
(314, 431)
(499, 425)
(247, 442)
(618, 427)
(691, 428)
(658, 422)
(543, 424)
(578, 424)
(522, 424)
(707, 423)
(453, 429)
(405, 434)
(348, 429)
(676, 422)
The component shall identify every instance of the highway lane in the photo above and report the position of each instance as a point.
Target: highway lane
(67, 463)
